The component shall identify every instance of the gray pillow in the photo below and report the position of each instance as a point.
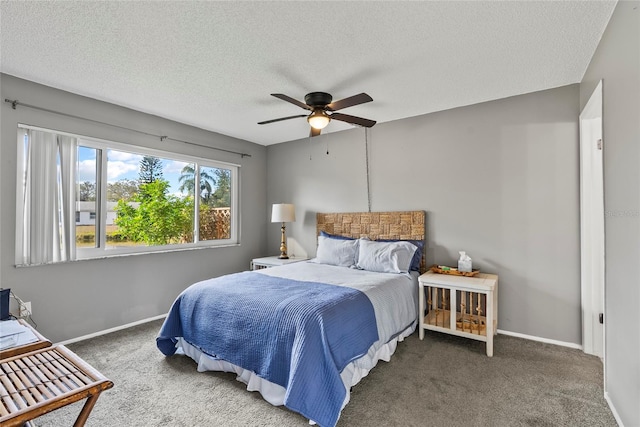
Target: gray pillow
(336, 251)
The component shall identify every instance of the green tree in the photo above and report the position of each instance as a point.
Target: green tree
(221, 197)
(87, 191)
(159, 218)
(150, 170)
(124, 189)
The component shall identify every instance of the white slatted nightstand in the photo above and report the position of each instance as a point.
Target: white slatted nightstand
(273, 261)
(459, 305)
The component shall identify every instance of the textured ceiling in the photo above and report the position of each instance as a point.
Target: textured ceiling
(214, 64)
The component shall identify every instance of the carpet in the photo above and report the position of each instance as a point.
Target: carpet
(441, 381)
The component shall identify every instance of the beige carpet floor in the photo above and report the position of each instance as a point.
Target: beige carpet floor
(441, 381)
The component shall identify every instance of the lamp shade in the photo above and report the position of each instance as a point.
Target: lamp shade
(283, 212)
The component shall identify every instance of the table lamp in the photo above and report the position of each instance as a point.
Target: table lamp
(283, 212)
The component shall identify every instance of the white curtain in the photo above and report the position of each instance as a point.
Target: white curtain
(46, 199)
(68, 149)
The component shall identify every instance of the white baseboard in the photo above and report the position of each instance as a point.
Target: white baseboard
(117, 328)
(613, 409)
(545, 340)
(162, 316)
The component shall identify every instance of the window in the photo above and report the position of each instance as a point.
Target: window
(86, 196)
(82, 198)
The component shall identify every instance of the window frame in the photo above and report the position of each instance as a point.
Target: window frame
(102, 146)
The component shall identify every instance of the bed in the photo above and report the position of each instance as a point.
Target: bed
(303, 334)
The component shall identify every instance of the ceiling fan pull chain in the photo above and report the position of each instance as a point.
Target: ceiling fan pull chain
(366, 156)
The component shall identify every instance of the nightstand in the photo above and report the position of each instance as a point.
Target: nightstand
(459, 305)
(273, 261)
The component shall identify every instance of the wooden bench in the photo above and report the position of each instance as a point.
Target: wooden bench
(38, 382)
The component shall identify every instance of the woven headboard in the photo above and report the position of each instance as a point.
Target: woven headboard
(408, 225)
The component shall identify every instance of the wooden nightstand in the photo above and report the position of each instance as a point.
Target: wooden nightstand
(459, 305)
(273, 261)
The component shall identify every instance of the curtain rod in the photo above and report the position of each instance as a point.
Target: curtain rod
(15, 103)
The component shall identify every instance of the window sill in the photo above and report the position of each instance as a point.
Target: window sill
(128, 254)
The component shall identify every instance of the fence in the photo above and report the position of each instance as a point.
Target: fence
(215, 223)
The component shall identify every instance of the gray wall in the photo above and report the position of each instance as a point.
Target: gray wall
(78, 298)
(498, 180)
(617, 62)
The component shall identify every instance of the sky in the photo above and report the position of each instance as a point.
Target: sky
(123, 165)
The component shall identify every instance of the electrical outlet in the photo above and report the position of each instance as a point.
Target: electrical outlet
(25, 310)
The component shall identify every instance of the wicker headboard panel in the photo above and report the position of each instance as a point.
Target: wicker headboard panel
(408, 225)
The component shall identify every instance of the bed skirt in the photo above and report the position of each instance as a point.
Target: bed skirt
(274, 393)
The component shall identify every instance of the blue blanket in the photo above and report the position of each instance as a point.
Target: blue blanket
(299, 335)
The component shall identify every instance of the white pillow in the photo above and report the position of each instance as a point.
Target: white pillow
(385, 257)
(336, 251)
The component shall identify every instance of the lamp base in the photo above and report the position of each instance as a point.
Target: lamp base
(283, 245)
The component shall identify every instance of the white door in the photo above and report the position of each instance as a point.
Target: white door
(592, 224)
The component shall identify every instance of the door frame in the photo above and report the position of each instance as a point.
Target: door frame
(592, 249)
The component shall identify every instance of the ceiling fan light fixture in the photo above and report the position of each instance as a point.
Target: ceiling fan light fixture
(318, 119)
(320, 104)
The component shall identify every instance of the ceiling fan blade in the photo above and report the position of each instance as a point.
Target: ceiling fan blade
(281, 118)
(314, 132)
(353, 120)
(349, 102)
(291, 100)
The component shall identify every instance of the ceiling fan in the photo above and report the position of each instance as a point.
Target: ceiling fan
(323, 110)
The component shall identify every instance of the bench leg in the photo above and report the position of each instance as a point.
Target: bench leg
(86, 410)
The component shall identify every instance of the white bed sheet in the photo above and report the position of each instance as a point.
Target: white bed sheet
(394, 300)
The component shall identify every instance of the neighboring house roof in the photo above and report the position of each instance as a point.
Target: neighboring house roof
(90, 206)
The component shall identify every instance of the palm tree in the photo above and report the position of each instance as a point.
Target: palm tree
(187, 182)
